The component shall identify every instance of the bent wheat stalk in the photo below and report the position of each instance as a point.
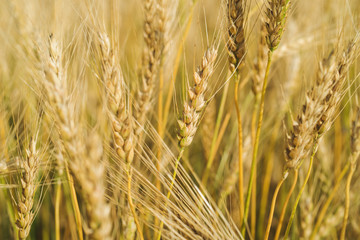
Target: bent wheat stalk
(283, 211)
(189, 120)
(322, 213)
(272, 208)
(302, 188)
(355, 152)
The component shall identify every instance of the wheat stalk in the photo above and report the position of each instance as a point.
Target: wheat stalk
(276, 13)
(81, 164)
(236, 55)
(189, 119)
(355, 152)
(121, 120)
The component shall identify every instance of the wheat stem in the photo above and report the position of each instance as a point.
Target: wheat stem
(9, 205)
(322, 213)
(347, 201)
(57, 209)
(75, 203)
(240, 146)
(253, 196)
(257, 138)
(283, 211)
(293, 211)
(160, 129)
(273, 202)
(337, 147)
(131, 204)
(170, 188)
(269, 160)
(355, 151)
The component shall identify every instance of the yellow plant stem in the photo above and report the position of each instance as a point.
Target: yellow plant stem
(347, 198)
(256, 143)
(337, 147)
(7, 194)
(171, 187)
(283, 211)
(273, 203)
(160, 122)
(293, 211)
(131, 204)
(160, 129)
(253, 196)
(322, 213)
(75, 203)
(240, 142)
(57, 209)
(269, 160)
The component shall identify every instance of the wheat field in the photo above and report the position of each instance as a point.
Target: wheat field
(179, 119)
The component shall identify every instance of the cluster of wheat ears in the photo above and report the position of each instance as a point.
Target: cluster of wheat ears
(179, 119)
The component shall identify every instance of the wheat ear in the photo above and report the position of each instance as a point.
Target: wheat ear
(25, 202)
(89, 178)
(55, 90)
(322, 114)
(154, 43)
